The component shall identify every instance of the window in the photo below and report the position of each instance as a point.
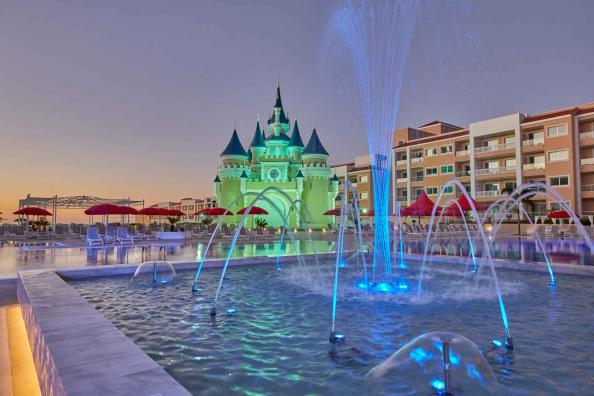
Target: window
(559, 181)
(492, 164)
(561, 155)
(536, 160)
(431, 190)
(510, 162)
(430, 152)
(558, 130)
(557, 206)
(431, 171)
(363, 179)
(445, 169)
(448, 190)
(363, 195)
(446, 149)
(491, 187)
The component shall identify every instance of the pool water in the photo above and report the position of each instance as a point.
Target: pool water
(276, 342)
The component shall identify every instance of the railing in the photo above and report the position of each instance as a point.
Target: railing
(587, 135)
(401, 162)
(588, 187)
(416, 160)
(533, 166)
(462, 153)
(463, 173)
(532, 142)
(491, 171)
(402, 180)
(416, 178)
(497, 147)
(488, 193)
(587, 161)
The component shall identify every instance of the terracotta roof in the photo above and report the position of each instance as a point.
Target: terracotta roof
(434, 138)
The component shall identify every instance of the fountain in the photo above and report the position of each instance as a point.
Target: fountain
(153, 274)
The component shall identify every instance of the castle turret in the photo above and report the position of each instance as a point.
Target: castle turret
(217, 187)
(316, 174)
(257, 150)
(235, 164)
(333, 193)
(295, 144)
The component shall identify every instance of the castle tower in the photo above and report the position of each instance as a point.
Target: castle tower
(316, 183)
(235, 164)
(257, 151)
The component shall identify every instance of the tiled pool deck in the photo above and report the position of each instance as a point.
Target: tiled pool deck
(77, 351)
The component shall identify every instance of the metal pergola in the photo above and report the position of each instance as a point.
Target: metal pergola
(74, 202)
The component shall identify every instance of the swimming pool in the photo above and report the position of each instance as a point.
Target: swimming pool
(277, 340)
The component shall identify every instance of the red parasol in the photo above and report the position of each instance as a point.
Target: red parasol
(465, 205)
(216, 211)
(332, 212)
(153, 211)
(175, 213)
(32, 211)
(452, 211)
(128, 210)
(255, 210)
(423, 206)
(559, 214)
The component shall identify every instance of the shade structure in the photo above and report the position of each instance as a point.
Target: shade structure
(332, 212)
(452, 211)
(423, 206)
(559, 214)
(153, 211)
(32, 211)
(255, 210)
(128, 210)
(215, 211)
(104, 209)
(175, 213)
(465, 205)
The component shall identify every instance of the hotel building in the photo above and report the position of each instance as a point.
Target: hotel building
(359, 173)
(491, 157)
(187, 205)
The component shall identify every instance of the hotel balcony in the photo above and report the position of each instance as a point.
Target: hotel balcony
(587, 139)
(401, 163)
(488, 194)
(587, 165)
(417, 160)
(417, 179)
(498, 150)
(463, 173)
(496, 173)
(533, 145)
(533, 169)
(587, 191)
(402, 180)
(462, 155)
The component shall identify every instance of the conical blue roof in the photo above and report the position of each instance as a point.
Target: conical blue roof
(234, 147)
(217, 180)
(334, 178)
(243, 175)
(296, 137)
(258, 139)
(283, 119)
(314, 146)
(299, 174)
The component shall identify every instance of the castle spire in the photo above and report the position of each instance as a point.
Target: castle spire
(258, 139)
(234, 147)
(296, 137)
(314, 146)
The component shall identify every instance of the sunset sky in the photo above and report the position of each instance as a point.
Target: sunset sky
(138, 98)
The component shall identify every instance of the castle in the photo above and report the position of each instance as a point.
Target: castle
(277, 159)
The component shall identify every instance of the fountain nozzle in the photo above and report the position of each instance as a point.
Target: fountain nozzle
(337, 338)
(213, 312)
(509, 343)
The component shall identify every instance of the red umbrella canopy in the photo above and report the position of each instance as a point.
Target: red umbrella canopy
(332, 212)
(128, 210)
(104, 209)
(255, 210)
(559, 214)
(465, 205)
(32, 211)
(175, 213)
(153, 211)
(216, 211)
(452, 211)
(423, 206)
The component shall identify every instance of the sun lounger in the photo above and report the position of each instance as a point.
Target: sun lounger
(93, 237)
(123, 237)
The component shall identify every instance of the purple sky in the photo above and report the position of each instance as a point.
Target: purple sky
(137, 99)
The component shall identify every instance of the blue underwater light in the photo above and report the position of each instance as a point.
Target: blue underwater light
(496, 343)
(231, 311)
(438, 385)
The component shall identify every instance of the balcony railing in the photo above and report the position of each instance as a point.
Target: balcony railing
(533, 142)
(587, 161)
(416, 178)
(488, 193)
(401, 180)
(492, 171)
(416, 160)
(533, 166)
(497, 147)
(463, 173)
(462, 153)
(588, 187)
(401, 162)
(587, 135)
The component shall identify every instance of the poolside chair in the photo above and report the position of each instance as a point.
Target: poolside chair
(110, 235)
(93, 237)
(123, 237)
